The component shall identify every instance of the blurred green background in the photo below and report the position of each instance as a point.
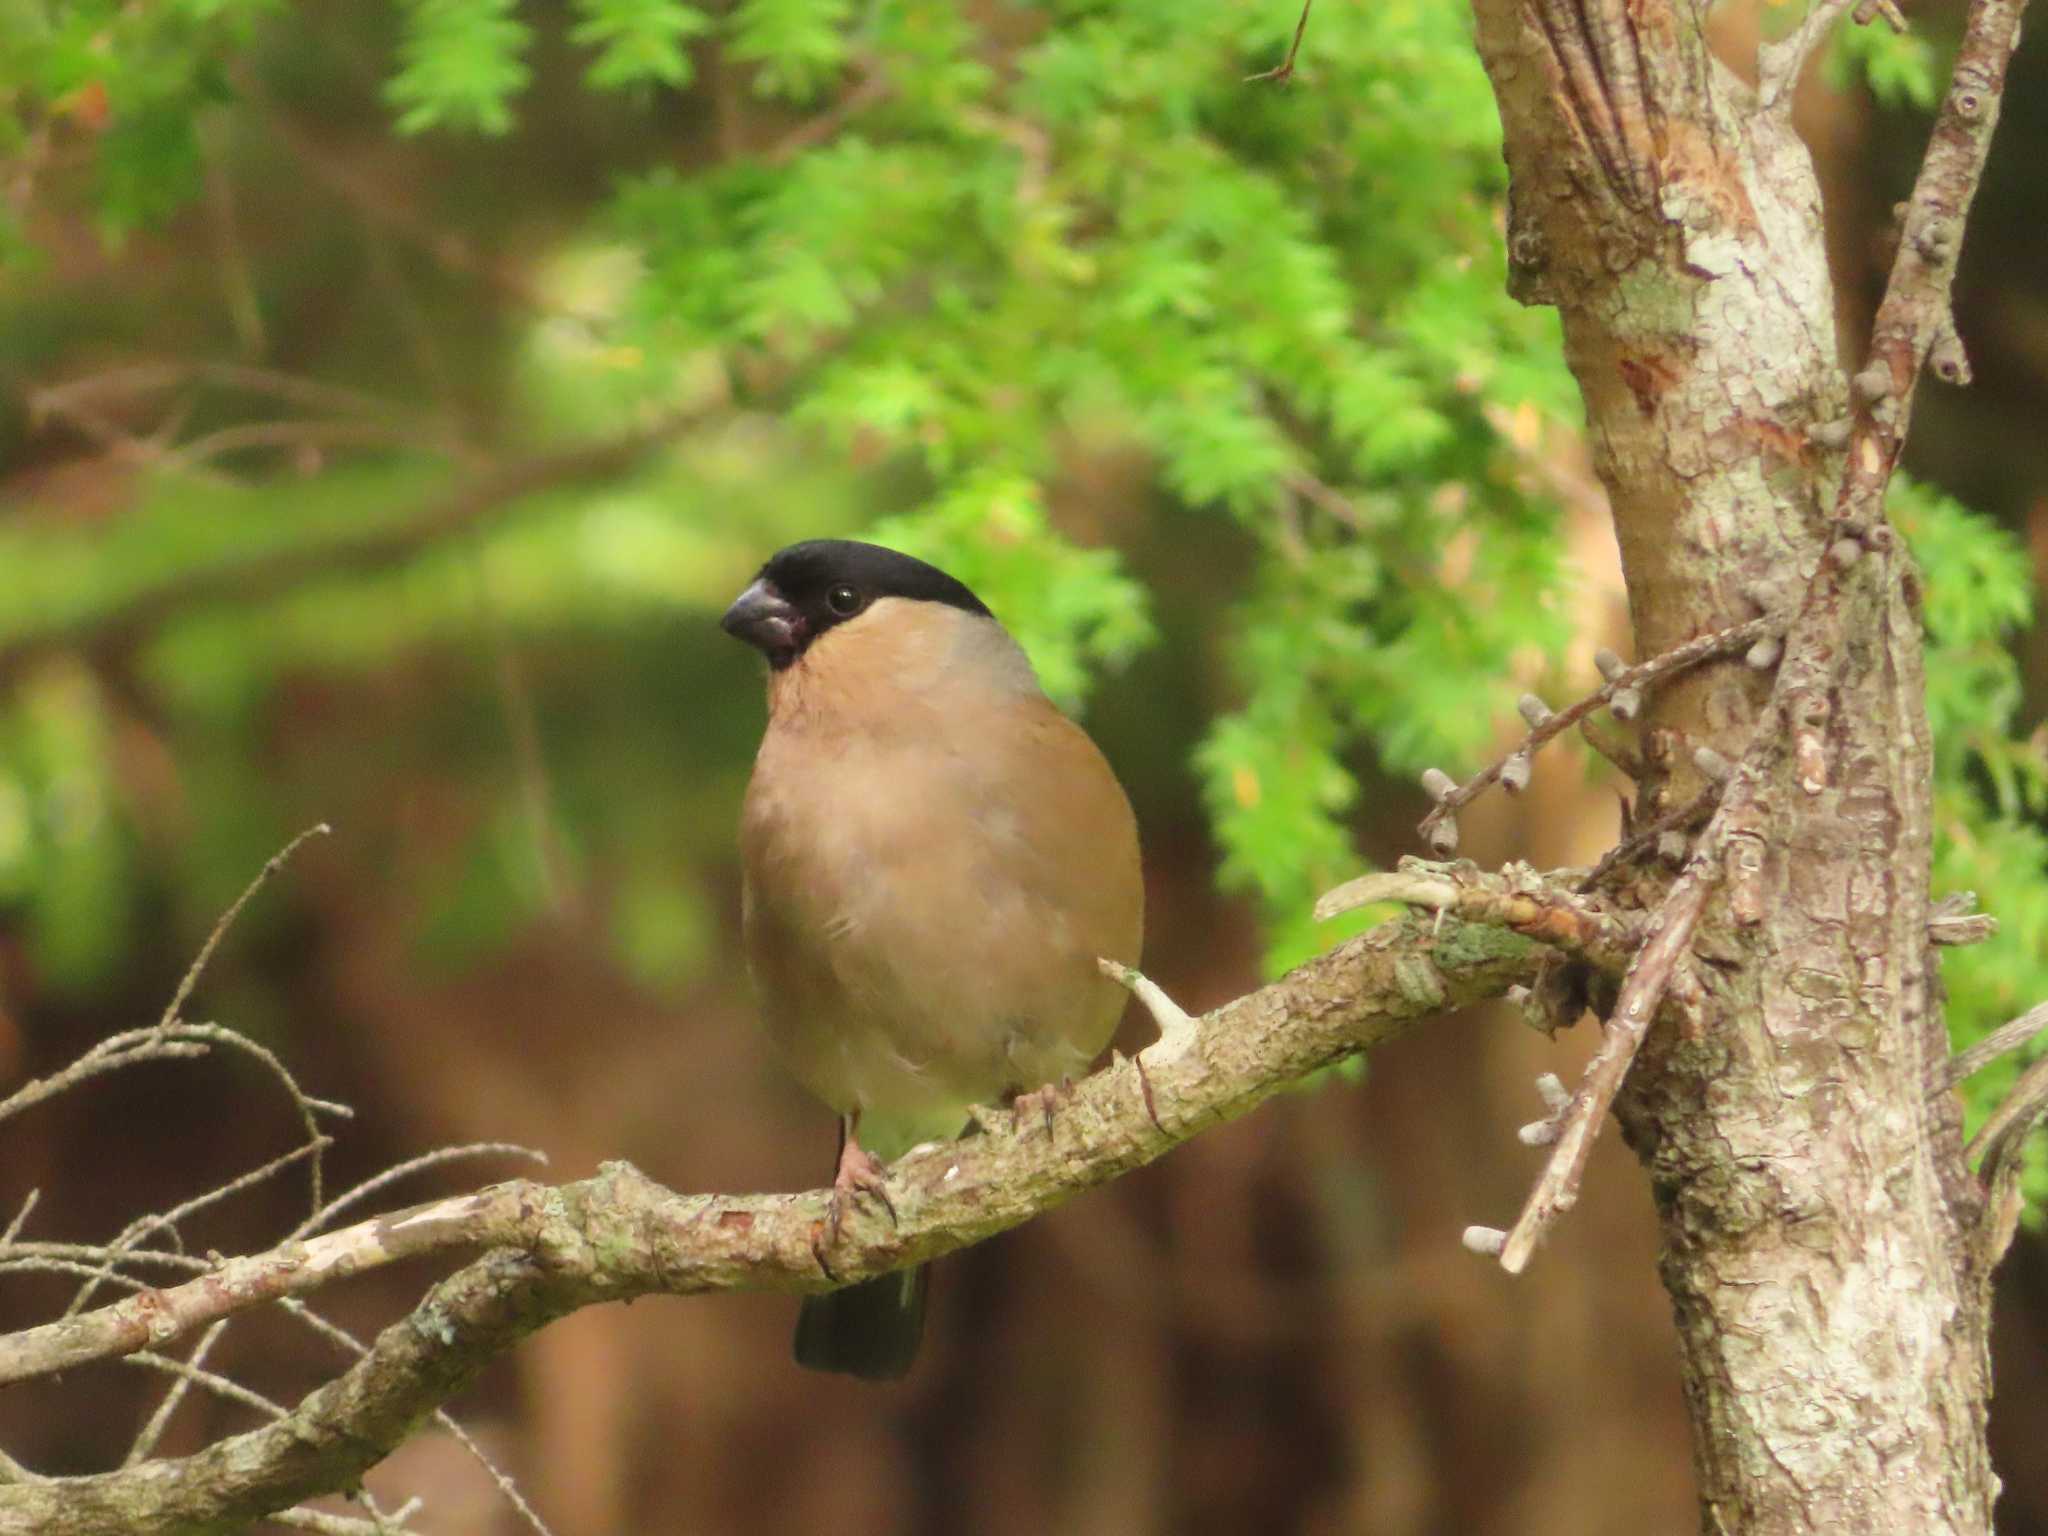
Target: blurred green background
(396, 393)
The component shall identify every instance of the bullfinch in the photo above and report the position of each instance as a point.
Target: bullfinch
(934, 857)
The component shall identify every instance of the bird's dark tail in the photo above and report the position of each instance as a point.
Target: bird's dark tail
(870, 1330)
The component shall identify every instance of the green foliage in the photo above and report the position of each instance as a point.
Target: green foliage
(135, 81)
(1902, 69)
(639, 42)
(1991, 786)
(984, 262)
(797, 47)
(460, 63)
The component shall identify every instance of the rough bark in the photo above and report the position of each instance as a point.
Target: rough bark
(1820, 1227)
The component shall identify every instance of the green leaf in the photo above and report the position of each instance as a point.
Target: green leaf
(639, 42)
(798, 46)
(460, 64)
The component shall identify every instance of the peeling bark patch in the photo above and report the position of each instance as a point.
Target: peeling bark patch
(1648, 378)
(1791, 449)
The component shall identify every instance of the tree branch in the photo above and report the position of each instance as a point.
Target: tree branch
(1623, 691)
(487, 496)
(618, 1235)
(1516, 898)
(1642, 994)
(1915, 315)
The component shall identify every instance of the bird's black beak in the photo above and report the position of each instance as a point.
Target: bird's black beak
(765, 619)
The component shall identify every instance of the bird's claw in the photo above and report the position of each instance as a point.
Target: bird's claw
(1044, 1100)
(859, 1173)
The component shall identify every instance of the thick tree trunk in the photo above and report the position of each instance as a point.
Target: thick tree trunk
(1807, 1164)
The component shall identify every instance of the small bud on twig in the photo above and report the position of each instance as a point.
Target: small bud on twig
(1873, 383)
(1438, 785)
(1765, 653)
(1514, 773)
(1538, 1133)
(1831, 434)
(1443, 837)
(1551, 1090)
(1627, 703)
(1611, 666)
(1845, 552)
(1950, 362)
(1487, 1242)
(1533, 710)
(1672, 847)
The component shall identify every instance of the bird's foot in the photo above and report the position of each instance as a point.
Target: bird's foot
(859, 1173)
(1041, 1100)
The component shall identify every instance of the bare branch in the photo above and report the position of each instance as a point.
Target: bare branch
(356, 1349)
(325, 1524)
(1624, 681)
(1954, 921)
(1517, 898)
(870, 89)
(1780, 64)
(1915, 313)
(1282, 72)
(2007, 1037)
(1642, 993)
(219, 1386)
(488, 495)
(2002, 1143)
(1651, 834)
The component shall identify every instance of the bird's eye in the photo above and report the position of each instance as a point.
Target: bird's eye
(844, 601)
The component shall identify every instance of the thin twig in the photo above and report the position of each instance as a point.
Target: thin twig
(315, 433)
(1642, 992)
(871, 88)
(18, 1262)
(152, 377)
(110, 1055)
(20, 1219)
(1780, 64)
(322, 1523)
(124, 1245)
(2007, 1037)
(147, 1438)
(190, 979)
(356, 1349)
(1915, 311)
(2001, 1143)
(1282, 72)
(2017, 1113)
(1646, 837)
(1640, 677)
(405, 1170)
(220, 1386)
(99, 1258)
(488, 495)
(507, 1489)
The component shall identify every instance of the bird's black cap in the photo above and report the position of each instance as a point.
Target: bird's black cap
(807, 588)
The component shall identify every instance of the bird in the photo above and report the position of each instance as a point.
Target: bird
(934, 859)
